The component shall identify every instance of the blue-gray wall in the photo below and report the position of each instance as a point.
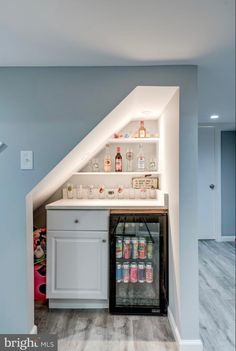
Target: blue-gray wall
(49, 110)
(228, 193)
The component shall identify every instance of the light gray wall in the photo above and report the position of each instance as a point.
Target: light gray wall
(49, 110)
(228, 194)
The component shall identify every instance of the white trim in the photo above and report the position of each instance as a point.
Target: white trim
(227, 238)
(78, 303)
(218, 184)
(34, 330)
(183, 345)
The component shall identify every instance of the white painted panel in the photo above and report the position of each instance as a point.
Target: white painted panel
(77, 265)
(169, 161)
(77, 220)
(206, 176)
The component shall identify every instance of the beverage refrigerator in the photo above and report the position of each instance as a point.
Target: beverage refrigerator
(138, 263)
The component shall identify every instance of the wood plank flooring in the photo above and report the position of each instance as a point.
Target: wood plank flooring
(217, 295)
(97, 330)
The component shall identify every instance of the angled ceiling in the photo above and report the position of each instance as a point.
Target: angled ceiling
(127, 32)
(120, 116)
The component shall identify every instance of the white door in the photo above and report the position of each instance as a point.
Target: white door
(77, 265)
(206, 183)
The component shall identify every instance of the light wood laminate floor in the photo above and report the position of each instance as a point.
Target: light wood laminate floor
(97, 330)
(217, 295)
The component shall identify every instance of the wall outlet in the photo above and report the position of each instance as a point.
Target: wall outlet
(26, 159)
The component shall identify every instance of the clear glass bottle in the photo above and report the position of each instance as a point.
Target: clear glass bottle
(142, 130)
(95, 165)
(107, 163)
(129, 160)
(152, 164)
(141, 162)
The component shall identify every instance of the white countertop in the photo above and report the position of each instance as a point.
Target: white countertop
(65, 204)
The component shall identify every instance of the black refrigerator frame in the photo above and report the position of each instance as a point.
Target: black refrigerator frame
(160, 310)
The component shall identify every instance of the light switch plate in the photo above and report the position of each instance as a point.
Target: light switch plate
(26, 159)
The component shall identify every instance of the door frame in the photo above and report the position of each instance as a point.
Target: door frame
(218, 128)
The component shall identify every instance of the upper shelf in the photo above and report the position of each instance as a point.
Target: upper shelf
(132, 140)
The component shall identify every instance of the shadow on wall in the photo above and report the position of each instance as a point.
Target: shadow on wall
(3, 146)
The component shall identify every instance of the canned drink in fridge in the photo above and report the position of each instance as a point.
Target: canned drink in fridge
(133, 272)
(126, 272)
(119, 247)
(142, 248)
(149, 250)
(126, 248)
(149, 272)
(134, 250)
(118, 272)
(141, 272)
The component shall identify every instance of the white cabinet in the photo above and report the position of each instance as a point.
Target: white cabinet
(77, 260)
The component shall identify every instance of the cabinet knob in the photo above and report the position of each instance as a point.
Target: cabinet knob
(76, 221)
(104, 240)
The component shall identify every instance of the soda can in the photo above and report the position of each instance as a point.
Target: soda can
(141, 272)
(126, 272)
(126, 248)
(119, 248)
(134, 243)
(142, 248)
(149, 272)
(118, 272)
(149, 250)
(133, 272)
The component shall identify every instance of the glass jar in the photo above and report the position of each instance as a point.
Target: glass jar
(69, 191)
(131, 193)
(110, 194)
(143, 193)
(79, 192)
(120, 192)
(90, 192)
(101, 192)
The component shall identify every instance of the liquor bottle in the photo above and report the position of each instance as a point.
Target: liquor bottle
(141, 159)
(107, 164)
(142, 130)
(118, 160)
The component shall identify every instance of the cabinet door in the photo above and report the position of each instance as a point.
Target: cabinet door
(77, 264)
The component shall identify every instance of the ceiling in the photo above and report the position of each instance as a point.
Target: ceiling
(128, 32)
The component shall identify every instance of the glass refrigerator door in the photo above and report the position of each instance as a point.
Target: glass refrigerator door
(137, 262)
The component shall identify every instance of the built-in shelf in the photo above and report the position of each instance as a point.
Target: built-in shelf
(133, 140)
(118, 173)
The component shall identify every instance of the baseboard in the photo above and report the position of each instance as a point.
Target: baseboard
(227, 238)
(34, 330)
(183, 345)
(78, 303)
